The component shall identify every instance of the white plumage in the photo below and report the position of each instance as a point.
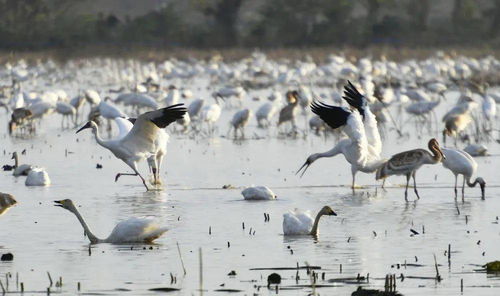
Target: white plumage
(144, 140)
(258, 193)
(37, 177)
(133, 230)
(299, 222)
(460, 162)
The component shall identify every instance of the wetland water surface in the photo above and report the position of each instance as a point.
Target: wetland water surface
(371, 234)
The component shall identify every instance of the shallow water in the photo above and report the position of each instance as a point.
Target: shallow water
(371, 233)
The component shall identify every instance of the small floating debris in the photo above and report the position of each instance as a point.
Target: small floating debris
(232, 273)
(492, 267)
(228, 186)
(287, 268)
(164, 289)
(273, 278)
(228, 290)
(7, 257)
(372, 292)
(98, 166)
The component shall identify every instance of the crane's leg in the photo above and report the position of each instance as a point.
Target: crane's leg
(353, 185)
(406, 190)
(159, 159)
(134, 168)
(463, 189)
(415, 185)
(383, 183)
(456, 180)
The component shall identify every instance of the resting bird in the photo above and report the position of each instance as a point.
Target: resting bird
(133, 230)
(142, 141)
(297, 222)
(407, 163)
(363, 146)
(258, 193)
(460, 162)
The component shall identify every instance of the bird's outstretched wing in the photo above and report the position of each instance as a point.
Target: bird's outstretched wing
(143, 135)
(334, 116)
(354, 98)
(165, 116)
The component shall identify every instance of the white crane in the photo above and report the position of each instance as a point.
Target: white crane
(362, 153)
(239, 121)
(133, 230)
(297, 222)
(173, 96)
(142, 141)
(210, 114)
(67, 111)
(460, 162)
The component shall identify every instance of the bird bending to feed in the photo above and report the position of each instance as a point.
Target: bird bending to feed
(37, 177)
(460, 162)
(408, 162)
(6, 201)
(143, 141)
(297, 222)
(258, 193)
(476, 150)
(20, 170)
(363, 146)
(133, 230)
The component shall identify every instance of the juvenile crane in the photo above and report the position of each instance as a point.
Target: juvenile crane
(408, 162)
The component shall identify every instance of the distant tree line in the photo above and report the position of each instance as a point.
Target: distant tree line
(41, 24)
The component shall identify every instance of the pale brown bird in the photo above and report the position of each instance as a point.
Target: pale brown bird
(407, 163)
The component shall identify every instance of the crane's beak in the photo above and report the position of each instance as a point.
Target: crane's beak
(87, 125)
(58, 203)
(304, 166)
(483, 189)
(333, 214)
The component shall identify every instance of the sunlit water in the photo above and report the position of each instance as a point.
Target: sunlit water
(371, 234)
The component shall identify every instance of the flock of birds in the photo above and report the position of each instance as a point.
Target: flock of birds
(352, 101)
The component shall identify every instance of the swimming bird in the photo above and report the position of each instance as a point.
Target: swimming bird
(133, 230)
(460, 162)
(142, 141)
(408, 162)
(356, 149)
(37, 177)
(20, 169)
(258, 193)
(297, 222)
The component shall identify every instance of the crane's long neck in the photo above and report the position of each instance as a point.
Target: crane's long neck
(314, 229)
(437, 155)
(93, 239)
(98, 138)
(472, 184)
(332, 152)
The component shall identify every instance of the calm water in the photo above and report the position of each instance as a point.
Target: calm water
(370, 234)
